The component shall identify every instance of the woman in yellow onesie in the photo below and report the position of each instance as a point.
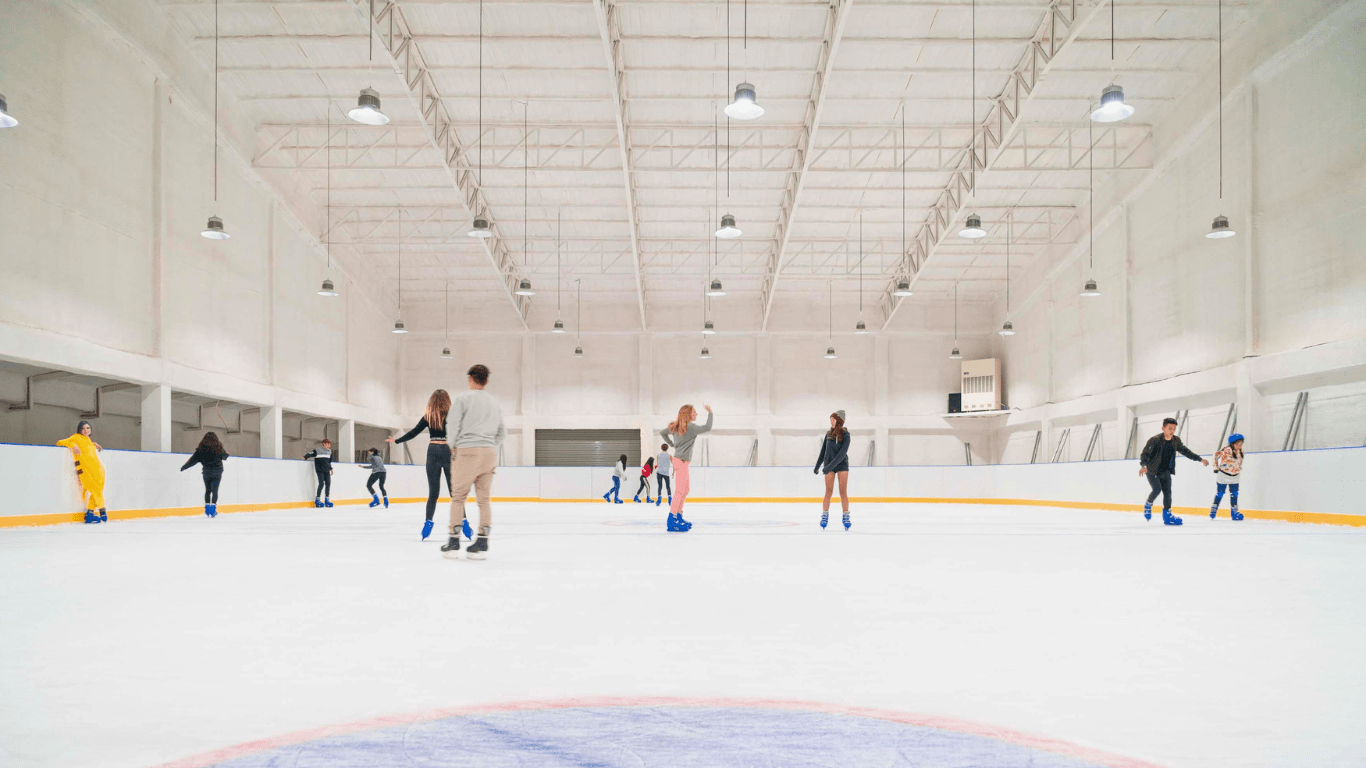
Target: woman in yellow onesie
(89, 470)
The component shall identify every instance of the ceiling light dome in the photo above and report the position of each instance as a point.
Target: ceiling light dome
(973, 228)
(1091, 289)
(1007, 329)
(716, 289)
(708, 328)
(860, 328)
(558, 327)
(399, 327)
(706, 354)
(524, 288)
(1112, 108)
(728, 230)
(480, 228)
(328, 289)
(445, 353)
(903, 288)
(955, 354)
(214, 229)
(5, 120)
(830, 353)
(367, 109)
(1220, 229)
(745, 105)
(578, 351)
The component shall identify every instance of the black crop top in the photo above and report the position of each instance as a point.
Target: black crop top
(436, 433)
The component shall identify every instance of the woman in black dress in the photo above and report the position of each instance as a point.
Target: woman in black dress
(834, 457)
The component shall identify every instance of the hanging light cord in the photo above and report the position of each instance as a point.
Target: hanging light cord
(972, 123)
(448, 312)
(526, 180)
(328, 144)
(1221, 101)
(728, 84)
(1008, 220)
(481, 93)
(860, 265)
(903, 186)
(1091, 162)
(578, 311)
(559, 275)
(955, 315)
(215, 104)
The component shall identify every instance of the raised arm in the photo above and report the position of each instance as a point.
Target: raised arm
(414, 432)
(704, 427)
(193, 460)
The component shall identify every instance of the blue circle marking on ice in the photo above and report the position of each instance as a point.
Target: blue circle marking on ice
(659, 737)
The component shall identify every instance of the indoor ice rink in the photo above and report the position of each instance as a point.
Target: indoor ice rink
(876, 383)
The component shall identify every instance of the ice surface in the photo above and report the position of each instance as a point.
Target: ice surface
(140, 643)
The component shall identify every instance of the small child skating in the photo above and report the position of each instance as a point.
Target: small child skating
(1228, 473)
(322, 465)
(618, 473)
(377, 475)
(645, 473)
(210, 455)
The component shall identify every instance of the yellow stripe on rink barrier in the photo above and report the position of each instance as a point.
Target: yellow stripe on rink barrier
(1322, 518)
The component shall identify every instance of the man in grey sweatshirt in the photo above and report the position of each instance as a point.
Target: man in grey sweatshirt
(475, 430)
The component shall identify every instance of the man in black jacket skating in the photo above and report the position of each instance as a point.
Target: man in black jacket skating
(1159, 464)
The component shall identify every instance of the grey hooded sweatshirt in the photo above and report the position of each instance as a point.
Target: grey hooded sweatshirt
(683, 443)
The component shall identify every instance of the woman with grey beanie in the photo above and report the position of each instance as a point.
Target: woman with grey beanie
(834, 456)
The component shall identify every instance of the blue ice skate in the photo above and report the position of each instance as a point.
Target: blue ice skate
(1169, 519)
(317, 503)
(1214, 511)
(374, 500)
(846, 521)
(465, 529)
(426, 530)
(91, 517)
(649, 500)
(658, 500)
(327, 503)
(619, 501)
(208, 510)
(607, 497)
(213, 510)
(1235, 514)
(1148, 511)
(386, 502)
(825, 519)
(637, 498)
(104, 517)
(671, 524)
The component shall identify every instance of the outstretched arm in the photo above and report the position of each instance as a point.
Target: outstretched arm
(414, 432)
(193, 460)
(705, 427)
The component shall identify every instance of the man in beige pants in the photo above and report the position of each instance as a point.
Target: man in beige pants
(475, 430)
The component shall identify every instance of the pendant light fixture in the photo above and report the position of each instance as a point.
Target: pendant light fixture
(1221, 229)
(706, 354)
(6, 120)
(446, 348)
(1091, 289)
(830, 350)
(480, 226)
(903, 285)
(708, 328)
(524, 285)
(1112, 107)
(328, 289)
(955, 354)
(558, 327)
(745, 104)
(972, 230)
(715, 290)
(214, 229)
(728, 230)
(859, 327)
(578, 323)
(367, 109)
(398, 324)
(1007, 328)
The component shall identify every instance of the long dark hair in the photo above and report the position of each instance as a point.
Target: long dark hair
(650, 462)
(838, 431)
(622, 459)
(211, 444)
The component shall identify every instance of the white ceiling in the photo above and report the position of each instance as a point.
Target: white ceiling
(285, 63)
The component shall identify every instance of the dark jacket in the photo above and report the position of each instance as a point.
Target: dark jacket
(322, 459)
(211, 461)
(834, 456)
(1152, 454)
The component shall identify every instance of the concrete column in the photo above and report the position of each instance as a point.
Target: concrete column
(346, 440)
(528, 457)
(881, 381)
(156, 418)
(1252, 416)
(764, 457)
(272, 432)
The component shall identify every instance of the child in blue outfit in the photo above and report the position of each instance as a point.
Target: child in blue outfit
(1228, 473)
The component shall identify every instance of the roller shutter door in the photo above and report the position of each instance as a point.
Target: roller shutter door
(586, 447)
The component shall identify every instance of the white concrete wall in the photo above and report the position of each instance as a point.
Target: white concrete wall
(108, 182)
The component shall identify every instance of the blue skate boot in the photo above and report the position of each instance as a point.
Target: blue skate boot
(607, 497)
(1148, 511)
(658, 500)
(91, 517)
(1169, 519)
(671, 524)
(426, 529)
(208, 510)
(213, 510)
(649, 500)
(1214, 511)
(846, 521)
(1235, 514)
(386, 502)
(374, 500)
(104, 516)
(683, 525)
(825, 519)
(637, 498)
(327, 503)
(317, 503)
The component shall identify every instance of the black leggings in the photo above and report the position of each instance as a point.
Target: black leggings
(644, 486)
(660, 482)
(1161, 483)
(324, 482)
(376, 477)
(438, 461)
(211, 487)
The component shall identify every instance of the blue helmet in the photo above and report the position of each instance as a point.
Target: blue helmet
(1233, 438)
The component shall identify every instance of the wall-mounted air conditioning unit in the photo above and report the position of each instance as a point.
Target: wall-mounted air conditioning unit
(982, 387)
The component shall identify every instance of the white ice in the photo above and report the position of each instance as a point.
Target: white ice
(1232, 644)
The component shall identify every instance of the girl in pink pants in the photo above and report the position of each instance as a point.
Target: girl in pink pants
(682, 434)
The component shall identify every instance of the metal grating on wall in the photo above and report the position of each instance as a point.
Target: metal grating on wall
(587, 447)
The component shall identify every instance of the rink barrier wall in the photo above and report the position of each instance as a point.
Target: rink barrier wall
(1312, 486)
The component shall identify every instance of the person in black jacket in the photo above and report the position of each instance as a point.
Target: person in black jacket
(210, 455)
(1159, 464)
(322, 465)
(438, 451)
(834, 456)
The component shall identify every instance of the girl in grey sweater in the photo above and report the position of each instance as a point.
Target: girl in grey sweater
(377, 475)
(682, 434)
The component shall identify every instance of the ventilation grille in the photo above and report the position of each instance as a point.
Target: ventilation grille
(978, 385)
(586, 447)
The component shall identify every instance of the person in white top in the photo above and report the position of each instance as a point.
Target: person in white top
(1228, 474)
(664, 475)
(618, 472)
(475, 430)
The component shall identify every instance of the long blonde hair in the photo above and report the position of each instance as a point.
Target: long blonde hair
(686, 415)
(438, 405)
